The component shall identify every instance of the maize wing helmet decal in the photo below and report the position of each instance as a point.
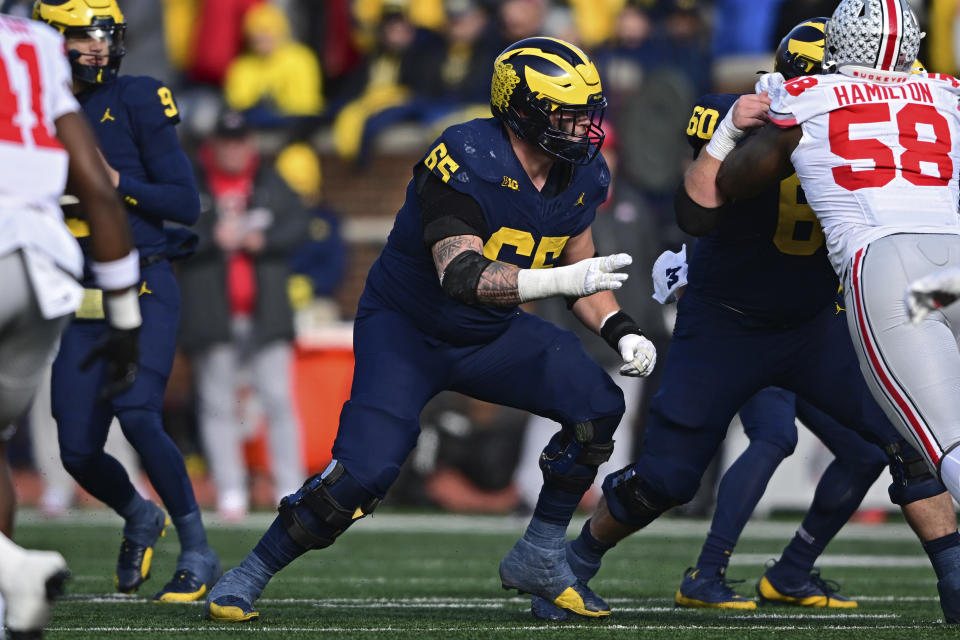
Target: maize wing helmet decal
(800, 52)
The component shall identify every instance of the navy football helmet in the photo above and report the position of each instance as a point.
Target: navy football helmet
(94, 19)
(548, 92)
(801, 51)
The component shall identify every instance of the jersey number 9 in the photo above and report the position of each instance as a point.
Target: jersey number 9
(166, 99)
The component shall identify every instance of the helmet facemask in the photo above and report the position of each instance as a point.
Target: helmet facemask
(109, 33)
(573, 133)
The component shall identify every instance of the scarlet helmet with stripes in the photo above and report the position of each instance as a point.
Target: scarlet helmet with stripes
(872, 34)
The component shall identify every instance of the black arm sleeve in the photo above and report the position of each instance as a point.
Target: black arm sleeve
(444, 211)
(693, 218)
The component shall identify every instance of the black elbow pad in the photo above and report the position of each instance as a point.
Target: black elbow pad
(693, 218)
(462, 276)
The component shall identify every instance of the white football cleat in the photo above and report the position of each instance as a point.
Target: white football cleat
(30, 581)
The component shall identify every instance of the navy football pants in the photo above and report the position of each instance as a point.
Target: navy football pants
(718, 360)
(533, 365)
(83, 419)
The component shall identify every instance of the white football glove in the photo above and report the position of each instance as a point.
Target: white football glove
(573, 281)
(669, 275)
(639, 355)
(769, 82)
(932, 292)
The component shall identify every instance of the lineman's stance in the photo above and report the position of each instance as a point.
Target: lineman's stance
(493, 204)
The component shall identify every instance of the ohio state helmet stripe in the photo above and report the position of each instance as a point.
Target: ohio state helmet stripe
(891, 44)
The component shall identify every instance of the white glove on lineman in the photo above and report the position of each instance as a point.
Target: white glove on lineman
(639, 355)
(932, 292)
(573, 281)
(769, 82)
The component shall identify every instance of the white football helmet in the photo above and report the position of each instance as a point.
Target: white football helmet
(872, 34)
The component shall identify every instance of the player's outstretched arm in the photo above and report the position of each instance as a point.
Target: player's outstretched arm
(116, 264)
(758, 163)
(698, 202)
(466, 275)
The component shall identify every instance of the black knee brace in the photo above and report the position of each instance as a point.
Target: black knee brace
(912, 478)
(569, 461)
(630, 501)
(313, 517)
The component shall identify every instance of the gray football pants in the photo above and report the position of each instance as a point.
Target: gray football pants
(912, 371)
(28, 341)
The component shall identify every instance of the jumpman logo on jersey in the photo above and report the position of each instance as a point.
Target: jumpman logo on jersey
(579, 202)
(143, 289)
(107, 116)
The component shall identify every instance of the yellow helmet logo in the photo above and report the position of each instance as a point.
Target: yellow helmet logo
(574, 86)
(810, 52)
(577, 83)
(76, 13)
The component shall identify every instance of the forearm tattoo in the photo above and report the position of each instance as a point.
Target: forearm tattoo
(444, 251)
(498, 286)
(498, 282)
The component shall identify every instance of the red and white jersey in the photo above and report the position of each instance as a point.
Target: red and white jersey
(877, 157)
(35, 90)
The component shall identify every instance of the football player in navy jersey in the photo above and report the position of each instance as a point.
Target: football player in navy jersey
(498, 213)
(133, 119)
(758, 312)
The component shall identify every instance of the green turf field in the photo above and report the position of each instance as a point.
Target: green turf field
(436, 577)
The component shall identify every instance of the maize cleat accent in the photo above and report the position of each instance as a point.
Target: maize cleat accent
(700, 590)
(135, 557)
(196, 574)
(816, 592)
(544, 572)
(584, 571)
(231, 609)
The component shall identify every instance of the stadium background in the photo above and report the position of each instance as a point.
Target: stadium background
(367, 84)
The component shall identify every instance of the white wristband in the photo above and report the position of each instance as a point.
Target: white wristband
(123, 309)
(118, 274)
(725, 138)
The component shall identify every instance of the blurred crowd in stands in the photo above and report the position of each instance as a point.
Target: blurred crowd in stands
(271, 90)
